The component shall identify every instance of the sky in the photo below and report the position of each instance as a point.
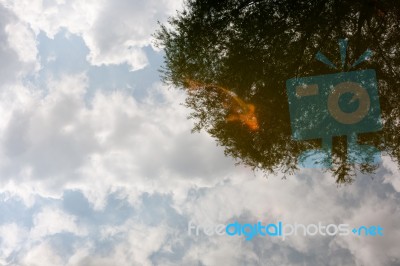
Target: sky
(98, 165)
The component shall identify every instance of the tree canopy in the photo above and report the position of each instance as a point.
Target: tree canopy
(235, 56)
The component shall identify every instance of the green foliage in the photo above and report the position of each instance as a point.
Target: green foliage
(253, 47)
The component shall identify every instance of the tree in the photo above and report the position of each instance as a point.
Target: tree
(230, 50)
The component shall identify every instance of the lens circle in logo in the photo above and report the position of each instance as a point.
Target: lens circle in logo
(359, 93)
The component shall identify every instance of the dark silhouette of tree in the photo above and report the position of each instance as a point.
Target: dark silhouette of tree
(250, 49)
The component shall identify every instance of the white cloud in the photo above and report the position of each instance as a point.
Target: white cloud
(392, 176)
(375, 250)
(41, 255)
(51, 16)
(139, 242)
(118, 145)
(11, 238)
(114, 31)
(17, 48)
(296, 201)
(114, 141)
(22, 40)
(50, 221)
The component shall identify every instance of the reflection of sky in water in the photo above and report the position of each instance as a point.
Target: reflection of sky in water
(66, 54)
(147, 176)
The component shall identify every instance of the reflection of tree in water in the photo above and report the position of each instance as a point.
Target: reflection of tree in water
(236, 108)
(253, 47)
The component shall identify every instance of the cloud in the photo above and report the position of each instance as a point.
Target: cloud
(17, 48)
(392, 174)
(114, 141)
(42, 255)
(12, 237)
(143, 153)
(53, 221)
(115, 32)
